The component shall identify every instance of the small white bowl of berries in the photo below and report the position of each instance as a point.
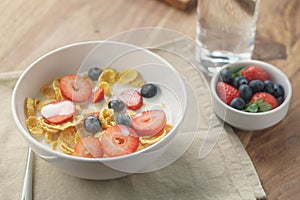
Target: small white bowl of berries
(250, 95)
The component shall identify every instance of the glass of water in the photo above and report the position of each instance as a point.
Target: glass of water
(225, 31)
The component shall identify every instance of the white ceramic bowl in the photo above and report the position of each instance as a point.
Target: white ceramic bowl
(74, 59)
(246, 120)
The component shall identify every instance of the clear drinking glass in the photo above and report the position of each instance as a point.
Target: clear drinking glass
(225, 30)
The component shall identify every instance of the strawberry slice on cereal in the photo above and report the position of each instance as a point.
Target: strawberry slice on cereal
(119, 140)
(98, 95)
(149, 122)
(58, 112)
(75, 88)
(132, 99)
(88, 147)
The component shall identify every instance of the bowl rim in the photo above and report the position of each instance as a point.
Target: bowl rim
(54, 153)
(259, 63)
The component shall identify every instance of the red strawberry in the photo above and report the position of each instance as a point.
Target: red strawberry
(75, 88)
(255, 73)
(58, 112)
(98, 95)
(264, 100)
(149, 122)
(227, 92)
(88, 147)
(119, 140)
(132, 99)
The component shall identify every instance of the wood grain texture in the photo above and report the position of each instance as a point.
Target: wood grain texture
(181, 4)
(31, 28)
(275, 151)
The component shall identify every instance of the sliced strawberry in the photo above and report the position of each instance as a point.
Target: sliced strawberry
(255, 73)
(264, 101)
(119, 140)
(58, 112)
(132, 99)
(88, 147)
(226, 92)
(98, 95)
(75, 88)
(149, 122)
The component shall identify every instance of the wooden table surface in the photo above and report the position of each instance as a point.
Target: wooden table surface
(32, 28)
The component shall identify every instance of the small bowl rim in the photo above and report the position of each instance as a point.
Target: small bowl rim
(259, 63)
(58, 154)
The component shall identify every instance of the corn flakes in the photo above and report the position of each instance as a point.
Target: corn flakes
(48, 92)
(29, 107)
(34, 125)
(147, 141)
(151, 140)
(127, 76)
(56, 88)
(106, 118)
(49, 137)
(138, 83)
(106, 87)
(59, 127)
(68, 135)
(65, 148)
(53, 145)
(108, 75)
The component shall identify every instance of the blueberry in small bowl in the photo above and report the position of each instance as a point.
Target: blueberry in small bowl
(255, 97)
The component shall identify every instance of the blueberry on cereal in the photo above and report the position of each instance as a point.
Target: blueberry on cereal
(92, 124)
(123, 119)
(94, 73)
(117, 105)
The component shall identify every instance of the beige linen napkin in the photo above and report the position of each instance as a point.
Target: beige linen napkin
(226, 173)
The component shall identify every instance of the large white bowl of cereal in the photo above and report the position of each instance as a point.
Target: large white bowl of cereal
(99, 110)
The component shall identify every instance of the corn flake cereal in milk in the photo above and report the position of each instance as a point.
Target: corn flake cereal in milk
(108, 76)
(34, 125)
(48, 92)
(29, 107)
(64, 130)
(56, 88)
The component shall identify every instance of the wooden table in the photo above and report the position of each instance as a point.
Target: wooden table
(32, 28)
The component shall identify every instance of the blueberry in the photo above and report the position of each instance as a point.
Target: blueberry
(245, 92)
(238, 103)
(149, 90)
(268, 87)
(117, 105)
(123, 119)
(235, 81)
(243, 81)
(280, 100)
(94, 73)
(256, 86)
(226, 76)
(278, 90)
(92, 124)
